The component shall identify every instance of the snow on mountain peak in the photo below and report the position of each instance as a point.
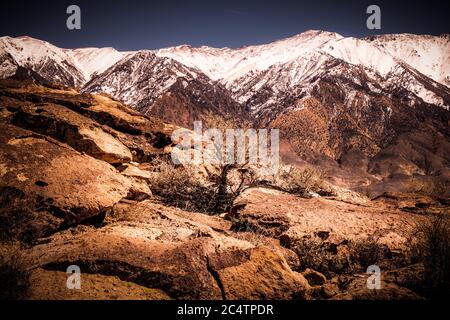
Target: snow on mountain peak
(395, 60)
(95, 60)
(430, 55)
(229, 64)
(47, 60)
(25, 50)
(35, 53)
(361, 52)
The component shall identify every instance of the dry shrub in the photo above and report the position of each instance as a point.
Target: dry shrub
(317, 255)
(327, 258)
(431, 246)
(256, 236)
(229, 183)
(300, 181)
(179, 187)
(17, 216)
(14, 276)
(184, 188)
(366, 252)
(432, 187)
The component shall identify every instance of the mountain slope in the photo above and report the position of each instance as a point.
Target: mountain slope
(229, 64)
(367, 110)
(166, 88)
(237, 68)
(63, 66)
(428, 54)
(92, 61)
(400, 59)
(38, 57)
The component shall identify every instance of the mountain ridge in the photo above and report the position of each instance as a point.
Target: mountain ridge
(311, 33)
(347, 98)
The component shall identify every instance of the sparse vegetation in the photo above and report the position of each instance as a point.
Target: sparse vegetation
(184, 188)
(177, 186)
(432, 187)
(430, 245)
(253, 234)
(215, 191)
(300, 181)
(366, 252)
(17, 221)
(14, 277)
(317, 255)
(331, 259)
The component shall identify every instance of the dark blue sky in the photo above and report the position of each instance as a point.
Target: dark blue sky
(134, 24)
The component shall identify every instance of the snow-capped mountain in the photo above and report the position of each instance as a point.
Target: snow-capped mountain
(140, 78)
(165, 87)
(381, 57)
(42, 58)
(384, 99)
(418, 64)
(63, 66)
(228, 65)
(92, 61)
(427, 54)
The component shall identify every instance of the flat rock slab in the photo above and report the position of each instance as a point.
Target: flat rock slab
(290, 217)
(52, 285)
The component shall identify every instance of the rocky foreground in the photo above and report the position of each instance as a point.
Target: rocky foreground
(75, 190)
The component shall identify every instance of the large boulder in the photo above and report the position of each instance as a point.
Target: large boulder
(46, 185)
(72, 128)
(185, 255)
(111, 130)
(263, 274)
(146, 137)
